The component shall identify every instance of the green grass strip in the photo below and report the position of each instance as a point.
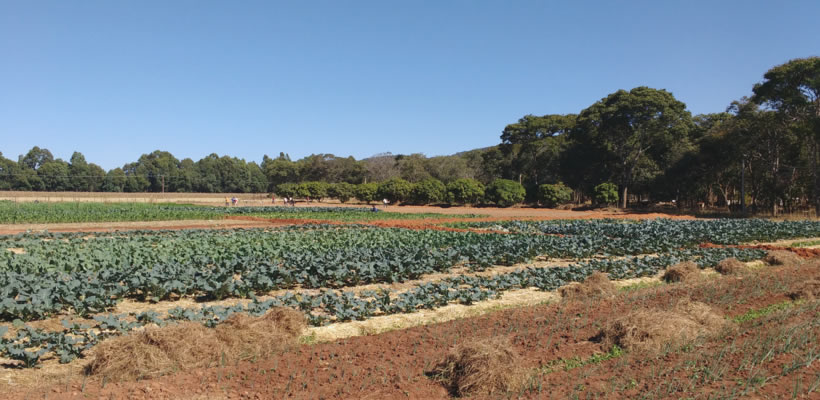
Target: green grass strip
(752, 315)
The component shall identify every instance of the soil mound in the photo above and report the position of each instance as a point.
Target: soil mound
(654, 330)
(681, 272)
(782, 257)
(730, 266)
(157, 351)
(808, 290)
(489, 366)
(596, 285)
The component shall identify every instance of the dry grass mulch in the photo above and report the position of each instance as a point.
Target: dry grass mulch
(481, 367)
(782, 257)
(157, 351)
(653, 330)
(686, 271)
(596, 285)
(730, 266)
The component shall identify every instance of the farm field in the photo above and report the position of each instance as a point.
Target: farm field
(72, 302)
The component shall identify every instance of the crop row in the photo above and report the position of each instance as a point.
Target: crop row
(661, 233)
(90, 275)
(17, 213)
(29, 345)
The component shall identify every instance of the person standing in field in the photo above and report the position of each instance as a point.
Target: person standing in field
(227, 201)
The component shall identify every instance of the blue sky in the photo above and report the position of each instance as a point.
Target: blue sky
(115, 79)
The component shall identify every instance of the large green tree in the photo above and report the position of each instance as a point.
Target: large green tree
(634, 135)
(533, 147)
(793, 91)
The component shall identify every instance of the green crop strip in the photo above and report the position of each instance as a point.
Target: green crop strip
(762, 312)
(18, 213)
(807, 243)
(567, 364)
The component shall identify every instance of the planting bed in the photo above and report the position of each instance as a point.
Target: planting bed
(58, 290)
(558, 345)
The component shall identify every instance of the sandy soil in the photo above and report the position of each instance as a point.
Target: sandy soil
(395, 364)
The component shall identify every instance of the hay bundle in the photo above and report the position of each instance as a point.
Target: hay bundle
(157, 351)
(730, 266)
(782, 257)
(481, 367)
(653, 330)
(245, 337)
(596, 285)
(808, 290)
(681, 272)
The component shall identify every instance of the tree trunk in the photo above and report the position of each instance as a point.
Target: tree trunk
(623, 197)
(816, 190)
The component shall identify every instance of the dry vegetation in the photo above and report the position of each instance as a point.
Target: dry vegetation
(489, 366)
(782, 257)
(682, 272)
(730, 266)
(652, 330)
(158, 351)
(594, 286)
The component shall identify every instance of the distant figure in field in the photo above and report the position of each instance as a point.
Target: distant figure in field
(374, 209)
(273, 199)
(233, 201)
(385, 202)
(227, 201)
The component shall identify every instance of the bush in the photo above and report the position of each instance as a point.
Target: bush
(429, 191)
(341, 191)
(314, 190)
(505, 192)
(286, 190)
(465, 191)
(395, 190)
(366, 192)
(554, 195)
(606, 193)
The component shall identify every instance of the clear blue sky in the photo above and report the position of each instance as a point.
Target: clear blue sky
(115, 79)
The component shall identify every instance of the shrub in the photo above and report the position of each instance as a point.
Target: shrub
(465, 191)
(314, 190)
(366, 192)
(395, 190)
(554, 195)
(606, 193)
(429, 191)
(341, 191)
(286, 190)
(505, 192)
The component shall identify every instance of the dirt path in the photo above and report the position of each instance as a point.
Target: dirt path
(395, 364)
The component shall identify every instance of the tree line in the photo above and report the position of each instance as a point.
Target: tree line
(642, 144)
